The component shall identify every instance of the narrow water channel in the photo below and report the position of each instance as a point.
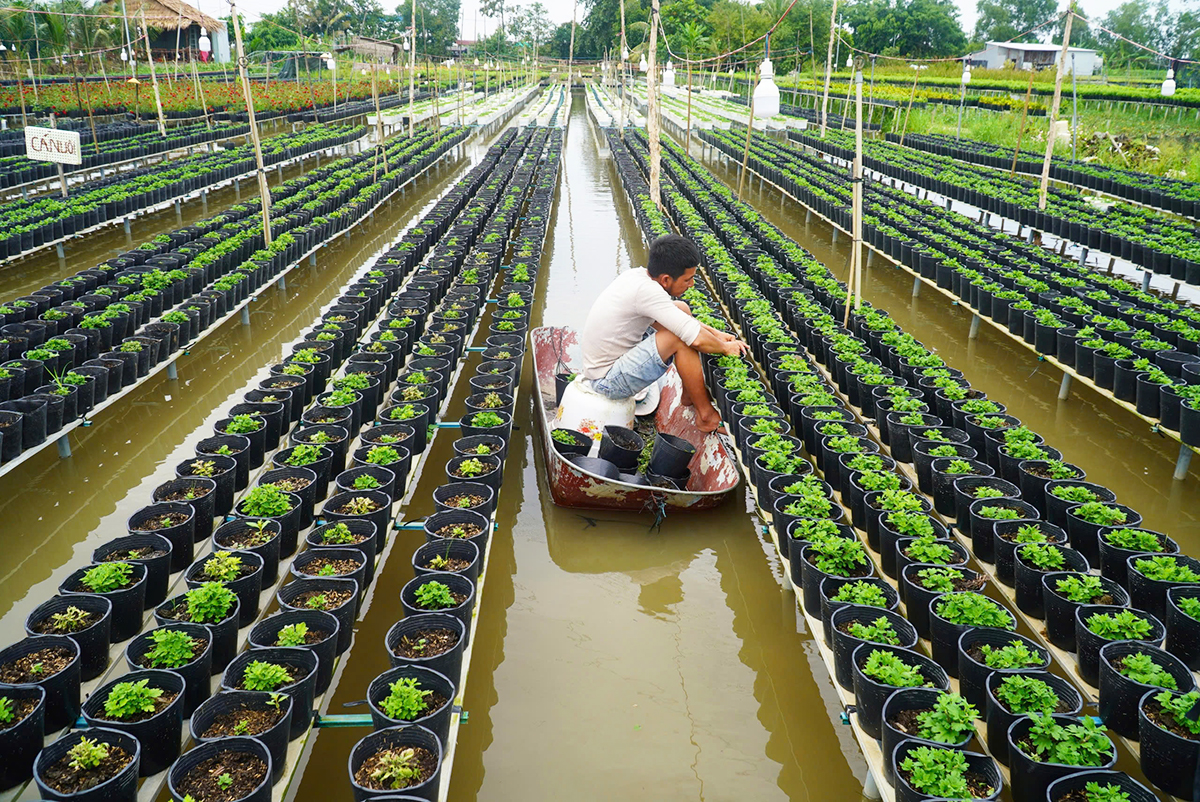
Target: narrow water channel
(56, 511)
(1116, 448)
(613, 660)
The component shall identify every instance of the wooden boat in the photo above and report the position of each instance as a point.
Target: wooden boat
(714, 472)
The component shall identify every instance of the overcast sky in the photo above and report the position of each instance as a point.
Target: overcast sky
(560, 11)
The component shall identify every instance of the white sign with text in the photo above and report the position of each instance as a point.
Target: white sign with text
(52, 145)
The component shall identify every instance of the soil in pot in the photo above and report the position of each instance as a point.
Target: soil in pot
(225, 777)
(65, 779)
(247, 721)
(36, 666)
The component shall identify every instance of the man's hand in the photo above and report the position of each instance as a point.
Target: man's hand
(731, 346)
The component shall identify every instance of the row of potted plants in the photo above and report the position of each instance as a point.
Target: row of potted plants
(1177, 195)
(292, 654)
(412, 703)
(1143, 236)
(1089, 322)
(824, 551)
(115, 142)
(95, 334)
(30, 223)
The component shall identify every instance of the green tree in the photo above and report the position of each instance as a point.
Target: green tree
(1140, 21)
(1007, 20)
(274, 31)
(916, 29)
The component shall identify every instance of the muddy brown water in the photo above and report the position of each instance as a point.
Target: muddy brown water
(611, 659)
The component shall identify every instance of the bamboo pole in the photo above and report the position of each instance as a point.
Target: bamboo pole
(1024, 117)
(79, 101)
(828, 68)
(412, 64)
(687, 142)
(623, 88)
(162, 122)
(652, 123)
(746, 152)
(854, 283)
(378, 118)
(1054, 106)
(911, 98)
(263, 189)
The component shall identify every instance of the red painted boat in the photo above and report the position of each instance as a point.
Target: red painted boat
(714, 473)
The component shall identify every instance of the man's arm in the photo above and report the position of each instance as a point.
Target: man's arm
(711, 341)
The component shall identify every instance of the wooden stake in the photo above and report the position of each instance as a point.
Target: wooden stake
(263, 189)
(652, 123)
(162, 121)
(828, 69)
(1058, 82)
(412, 64)
(911, 98)
(687, 141)
(746, 152)
(1024, 117)
(200, 90)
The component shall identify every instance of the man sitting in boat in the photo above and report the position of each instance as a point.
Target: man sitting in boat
(635, 330)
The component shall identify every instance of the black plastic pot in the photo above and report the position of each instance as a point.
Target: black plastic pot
(1151, 594)
(121, 787)
(899, 701)
(443, 493)
(1120, 695)
(670, 456)
(1029, 579)
(1183, 631)
(621, 447)
(832, 585)
(411, 735)
(1003, 549)
(289, 523)
(981, 527)
(300, 566)
(1077, 784)
(224, 539)
(1056, 508)
(580, 443)
(160, 733)
(439, 520)
(247, 587)
(1000, 718)
(306, 494)
(457, 584)
(128, 603)
(211, 749)
(977, 764)
(944, 635)
(301, 665)
(196, 673)
(1088, 643)
(21, 741)
(385, 479)
(964, 488)
(158, 566)
(1168, 760)
(844, 644)
(449, 662)
(448, 549)
(973, 674)
(1114, 560)
(1085, 536)
(360, 528)
(380, 516)
(436, 721)
(943, 482)
(265, 635)
(224, 474)
(61, 705)
(275, 738)
(224, 632)
(93, 641)
(917, 597)
(239, 445)
(869, 694)
(1060, 611)
(344, 612)
(181, 535)
(1029, 778)
(321, 467)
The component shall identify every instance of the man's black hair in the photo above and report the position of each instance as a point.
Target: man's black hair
(672, 255)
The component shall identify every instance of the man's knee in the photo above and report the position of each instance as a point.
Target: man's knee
(683, 306)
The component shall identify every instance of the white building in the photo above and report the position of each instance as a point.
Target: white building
(1036, 56)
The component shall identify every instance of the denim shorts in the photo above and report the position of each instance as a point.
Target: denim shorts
(637, 369)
